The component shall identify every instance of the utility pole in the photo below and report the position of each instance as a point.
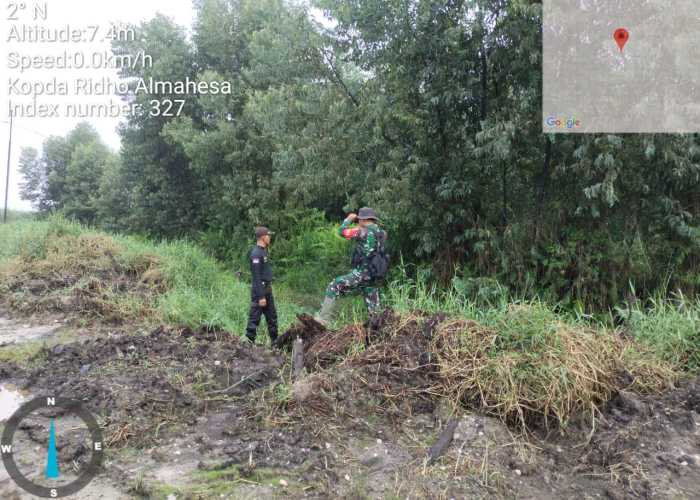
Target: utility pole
(7, 178)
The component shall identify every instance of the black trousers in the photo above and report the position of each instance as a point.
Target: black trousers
(256, 313)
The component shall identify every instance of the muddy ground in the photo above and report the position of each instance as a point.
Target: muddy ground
(202, 414)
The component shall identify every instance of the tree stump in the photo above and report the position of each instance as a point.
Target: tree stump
(297, 358)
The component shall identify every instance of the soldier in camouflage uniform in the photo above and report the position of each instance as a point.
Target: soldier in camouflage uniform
(367, 234)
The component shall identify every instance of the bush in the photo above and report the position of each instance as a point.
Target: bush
(306, 251)
(308, 260)
(671, 328)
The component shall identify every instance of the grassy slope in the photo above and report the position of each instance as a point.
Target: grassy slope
(515, 357)
(197, 290)
(200, 291)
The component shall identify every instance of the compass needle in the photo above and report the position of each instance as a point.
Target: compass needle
(52, 459)
(62, 411)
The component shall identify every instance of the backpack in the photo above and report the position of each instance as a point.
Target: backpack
(379, 259)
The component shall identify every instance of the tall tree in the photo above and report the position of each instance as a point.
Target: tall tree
(165, 193)
(34, 179)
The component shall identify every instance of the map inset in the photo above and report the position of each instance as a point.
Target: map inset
(621, 66)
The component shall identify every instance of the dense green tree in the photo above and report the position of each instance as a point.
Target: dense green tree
(83, 178)
(50, 181)
(164, 192)
(33, 179)
(430, 111)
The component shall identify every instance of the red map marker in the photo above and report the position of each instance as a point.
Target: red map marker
(621, 36)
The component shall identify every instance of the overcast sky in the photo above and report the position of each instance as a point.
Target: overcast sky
(79, 14)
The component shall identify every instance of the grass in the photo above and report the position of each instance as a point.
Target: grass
(519, 359)
(176, 282)
(666, 326)
(671, 328)
(527, 365)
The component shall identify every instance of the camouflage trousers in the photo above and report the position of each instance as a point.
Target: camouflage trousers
(356, 281)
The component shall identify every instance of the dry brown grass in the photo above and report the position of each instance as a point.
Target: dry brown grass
(81, 274)
(572, 372)
(530, 369)
(567, 371)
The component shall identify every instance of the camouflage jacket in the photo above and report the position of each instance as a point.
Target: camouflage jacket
(367, 241)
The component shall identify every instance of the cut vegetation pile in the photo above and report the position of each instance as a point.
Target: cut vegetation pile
(64, 269)
(527, 367)
(530, 366)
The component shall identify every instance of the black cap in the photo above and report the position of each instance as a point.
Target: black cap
(367, 214)
(262, 231)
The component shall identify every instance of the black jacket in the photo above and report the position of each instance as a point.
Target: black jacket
(261, 269)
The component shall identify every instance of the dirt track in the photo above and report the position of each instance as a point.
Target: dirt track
(200, 414)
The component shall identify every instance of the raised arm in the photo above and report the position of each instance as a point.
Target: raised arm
(346, 229)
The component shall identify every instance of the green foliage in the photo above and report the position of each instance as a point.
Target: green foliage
(311, 255)
(67, 175)
(198, 291)
(28, 238)
(306, 251)
(83, 177)
(153, 178)
(671, 327)
(429, 112)
(30, 188)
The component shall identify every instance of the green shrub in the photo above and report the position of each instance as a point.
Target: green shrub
(671, 328)
(202, 292)
(306, 251)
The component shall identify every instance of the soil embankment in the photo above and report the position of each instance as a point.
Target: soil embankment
(201, 414)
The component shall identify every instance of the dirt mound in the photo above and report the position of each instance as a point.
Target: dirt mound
(81, 275)
(413, 376)
(306, 328)
(384, 368)
(142, 383)
(329, 348)
(530, 380)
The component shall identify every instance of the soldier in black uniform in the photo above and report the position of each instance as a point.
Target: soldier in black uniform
(261, 294)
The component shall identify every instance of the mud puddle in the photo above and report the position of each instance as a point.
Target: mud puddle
(11, 398)
(14, 332)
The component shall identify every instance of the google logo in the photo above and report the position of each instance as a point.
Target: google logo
(569, 123)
